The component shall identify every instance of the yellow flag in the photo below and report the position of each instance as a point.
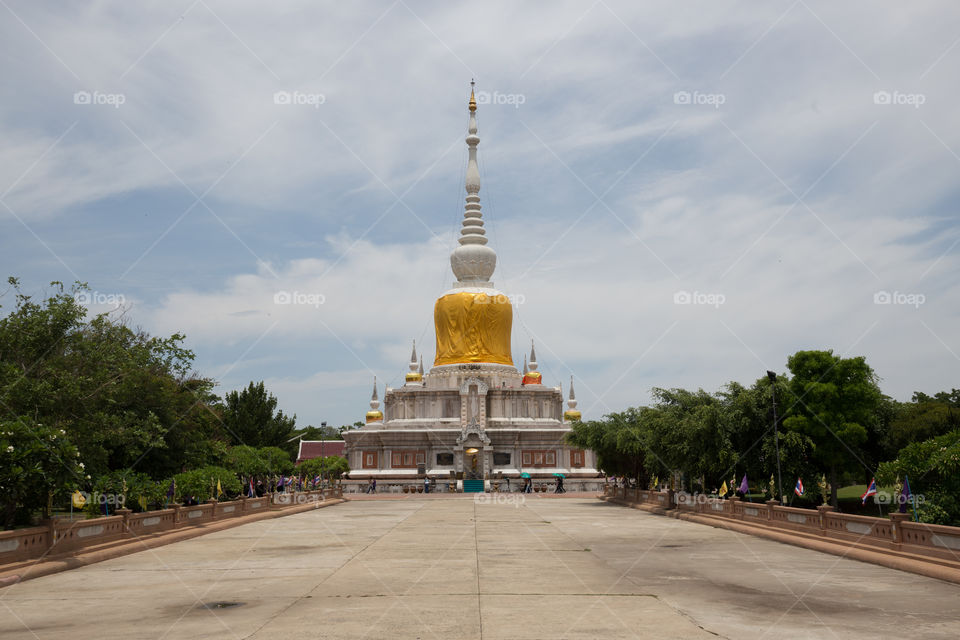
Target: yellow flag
(142, 501)
(723, 488)
(78, 499)
(219, 488)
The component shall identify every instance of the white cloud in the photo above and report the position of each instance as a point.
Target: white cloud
(311, 189)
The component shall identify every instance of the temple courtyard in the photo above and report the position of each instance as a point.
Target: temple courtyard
(507, 566)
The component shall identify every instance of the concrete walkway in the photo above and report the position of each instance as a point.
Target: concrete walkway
(541, 568)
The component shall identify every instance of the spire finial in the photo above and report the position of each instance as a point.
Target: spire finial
(473, 263)
(571, 414)
(533, 357)
(374, 415)
(420, 371)
(413, 376)
(525, 370)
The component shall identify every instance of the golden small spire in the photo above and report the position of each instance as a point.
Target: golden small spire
(473, 100)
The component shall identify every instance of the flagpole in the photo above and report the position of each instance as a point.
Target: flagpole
(776, 432)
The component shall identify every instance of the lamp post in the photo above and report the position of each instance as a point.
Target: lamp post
(323, 466)
(776, 432)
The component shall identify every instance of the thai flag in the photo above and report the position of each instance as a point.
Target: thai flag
(871, 491)
(252, 490)
(316, 480)
(799, 488)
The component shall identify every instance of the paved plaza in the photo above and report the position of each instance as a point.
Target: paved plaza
(455, 568)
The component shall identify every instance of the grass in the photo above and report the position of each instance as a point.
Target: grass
(854, 491)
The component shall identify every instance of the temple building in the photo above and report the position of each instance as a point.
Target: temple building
(474, 422)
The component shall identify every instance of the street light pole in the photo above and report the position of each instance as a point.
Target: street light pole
(776, 432)
(323, 467)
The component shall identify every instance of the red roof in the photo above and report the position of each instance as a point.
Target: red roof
(315, 448)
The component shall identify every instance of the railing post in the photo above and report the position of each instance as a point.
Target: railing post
(126, 518)
(770, 505)
(823, 510)
(896, 519)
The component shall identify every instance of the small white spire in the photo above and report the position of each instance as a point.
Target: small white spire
(413, 358)
(420, 371)
(525, 370)
(533, 357)
(374, 400)
(572, 402)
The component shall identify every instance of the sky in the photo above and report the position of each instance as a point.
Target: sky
(679, 194)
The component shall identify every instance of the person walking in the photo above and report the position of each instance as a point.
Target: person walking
(426, 485)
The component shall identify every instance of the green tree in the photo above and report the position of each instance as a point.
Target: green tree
(251, 417)
(319, 433)
(248, 461)
(200, 484)
(923, 418)
(38, 464)
(126, 399)
(933, 467)
(834, 402)
(618, 440)
(328, 467)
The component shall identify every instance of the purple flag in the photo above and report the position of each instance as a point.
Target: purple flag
(172, 489)
(905, 495)
(744, 488)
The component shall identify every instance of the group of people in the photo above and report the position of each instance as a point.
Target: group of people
(528, 485)
(526, 488)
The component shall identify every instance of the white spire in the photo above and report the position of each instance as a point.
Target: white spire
(525, 370)
(533, 357)
(415, 375)
(473, 262)
(572, 402)
(420, 371)
(374, 400)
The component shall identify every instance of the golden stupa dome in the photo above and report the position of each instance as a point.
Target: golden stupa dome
(473, 325)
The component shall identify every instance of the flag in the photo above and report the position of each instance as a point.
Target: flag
(142, 501)
(280, 482)
(907, 496)
(799, 488)
(871, 491)
(172, 489)
(219, 488)
(78, 499)
(252, 491)
(316, 480)
(744, 488)
(723, 488)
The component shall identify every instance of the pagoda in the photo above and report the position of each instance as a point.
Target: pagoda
(474, 422)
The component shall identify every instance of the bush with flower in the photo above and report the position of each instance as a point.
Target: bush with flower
(38, 465)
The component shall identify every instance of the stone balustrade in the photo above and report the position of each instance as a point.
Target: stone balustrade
(63, 536)
(895, 533)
